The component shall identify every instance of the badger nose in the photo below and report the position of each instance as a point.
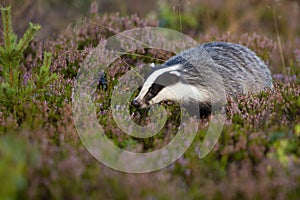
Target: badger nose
(135, 103)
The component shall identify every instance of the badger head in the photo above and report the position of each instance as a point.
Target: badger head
(167, 83)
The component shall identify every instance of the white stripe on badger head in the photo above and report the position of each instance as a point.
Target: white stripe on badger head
(151, 79)
(181, 92)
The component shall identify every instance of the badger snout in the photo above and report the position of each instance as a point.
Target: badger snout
(139, 104)
(135, 103)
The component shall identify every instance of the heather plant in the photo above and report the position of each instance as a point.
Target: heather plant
(15, 86)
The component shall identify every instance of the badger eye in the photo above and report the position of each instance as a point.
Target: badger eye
(153, 91)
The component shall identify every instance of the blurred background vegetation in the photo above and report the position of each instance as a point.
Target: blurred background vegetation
(276, 20)
(198, 16)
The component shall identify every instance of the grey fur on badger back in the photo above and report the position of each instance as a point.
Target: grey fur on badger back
(241, 71)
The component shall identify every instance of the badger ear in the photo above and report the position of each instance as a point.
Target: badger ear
(152, 65)
(167, 79)
(177, 73)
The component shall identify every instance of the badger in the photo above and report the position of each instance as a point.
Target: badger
(187, 76)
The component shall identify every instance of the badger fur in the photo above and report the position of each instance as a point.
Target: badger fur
(178, 79)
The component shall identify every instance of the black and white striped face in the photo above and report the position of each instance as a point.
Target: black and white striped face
(165, 83)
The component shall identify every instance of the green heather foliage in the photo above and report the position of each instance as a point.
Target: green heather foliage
(15, 87)
(42, 157)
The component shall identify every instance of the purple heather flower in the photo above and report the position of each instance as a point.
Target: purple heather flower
(26, 77)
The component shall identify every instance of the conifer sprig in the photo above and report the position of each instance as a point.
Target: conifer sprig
(12, 89)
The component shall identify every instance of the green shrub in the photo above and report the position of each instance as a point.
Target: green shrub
(15, 87)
